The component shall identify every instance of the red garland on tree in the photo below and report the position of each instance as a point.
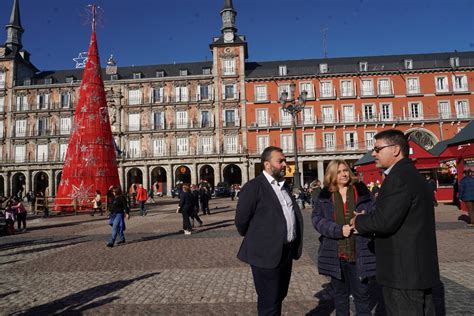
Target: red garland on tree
(90, 162)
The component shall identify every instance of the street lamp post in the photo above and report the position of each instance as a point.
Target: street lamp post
(293, 107)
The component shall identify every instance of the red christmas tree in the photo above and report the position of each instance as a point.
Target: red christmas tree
(90, 162)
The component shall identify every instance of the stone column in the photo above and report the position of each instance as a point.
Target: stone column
(320, 170)
(245, 172)
(8, 187)
(50, 182)
(121, 178)
(170, 183)
(28, 186)
(300, 166)
(146, 177)
(194, 175)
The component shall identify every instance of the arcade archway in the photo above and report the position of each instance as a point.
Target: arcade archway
(18, 184)
(182, 175)
(40, 183)
(159, 180)
(58, 179)
(2, 186)
(207, 173)
(134, 177)
(422, 137)
(232, 174)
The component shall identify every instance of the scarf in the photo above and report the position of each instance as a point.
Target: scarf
(347, 245)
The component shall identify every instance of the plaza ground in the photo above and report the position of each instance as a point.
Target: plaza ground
(61, 265)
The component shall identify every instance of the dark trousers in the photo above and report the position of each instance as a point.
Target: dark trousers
(205, 206)
(272, 284)
(21, 218)
(350, 284)
(186, 222)
(142, 208)
(470, 210)
(195, 215)
(408, 302)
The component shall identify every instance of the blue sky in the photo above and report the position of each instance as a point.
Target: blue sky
(142, 32)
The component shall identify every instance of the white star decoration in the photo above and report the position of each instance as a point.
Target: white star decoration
(81, 193)
(81, 60)
(90, 160)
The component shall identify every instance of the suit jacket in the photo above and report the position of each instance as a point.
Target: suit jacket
(260, 219)
(404, 227)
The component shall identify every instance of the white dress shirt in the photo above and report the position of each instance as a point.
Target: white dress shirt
(286, 204)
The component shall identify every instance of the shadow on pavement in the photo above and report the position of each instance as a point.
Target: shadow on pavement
(49, 244)
(3, 295)
(77, 303)
(103, 218)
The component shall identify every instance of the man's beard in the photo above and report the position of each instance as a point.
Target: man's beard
(278, 174)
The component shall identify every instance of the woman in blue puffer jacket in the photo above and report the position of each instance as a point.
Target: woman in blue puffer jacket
(346, 257)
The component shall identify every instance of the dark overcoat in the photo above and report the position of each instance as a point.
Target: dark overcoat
(323, 221)
(404, 226)
(260, 219)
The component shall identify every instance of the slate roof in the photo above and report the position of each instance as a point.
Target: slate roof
(367, 158)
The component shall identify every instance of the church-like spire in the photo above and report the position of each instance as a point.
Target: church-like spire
(14, 28)
(228, 14)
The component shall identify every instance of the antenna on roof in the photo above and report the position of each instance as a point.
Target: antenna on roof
(324, 30)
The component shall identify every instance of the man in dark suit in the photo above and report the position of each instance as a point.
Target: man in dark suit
(404, 228)
(272, 225)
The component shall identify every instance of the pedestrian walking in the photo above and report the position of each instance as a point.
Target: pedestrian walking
(434, 188)
(186, 207)
(204, 197)
(232, 192)
(21, 214)
(150, 195)
(456, 192)
(195, 213)
(97, 204)
(344, 256)
(119, 210)
(404, 228)
(272, 225)
(142, 196)
(466, 194)
(10, 217)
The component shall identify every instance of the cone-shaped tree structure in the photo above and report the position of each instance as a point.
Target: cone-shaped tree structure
(90, 162)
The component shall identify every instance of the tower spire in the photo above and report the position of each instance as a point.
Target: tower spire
(228, 14)
(14, 28)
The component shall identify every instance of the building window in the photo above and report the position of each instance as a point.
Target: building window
(137, 75)
(329, 141)
(262, 117)
(134, 97)
(369, 112)
(386, 111)
(27, 82)
(363, 66)
(2, 79)
(133, 122)
(206, 71)
(205, 145)
(460, 83)
(261, 94)
(65, 100)
(286, 142)
(181, 94)
(350, 140)
(262, 143)
(160, 73)
(43, 101)
(367, 87)
(282, 70)
(42, 153)
(442, 84)
(444, 109)
(462, 109)
(113, 77)
(157, 95)
(347, 88)
(385, 87)
(285, 117)
(230, 144)
(413, 85)
(415, 110)
(182, 146)
(369, 140)
(309, 88)
(229, 118)
(2, 126)
(283, 88)
(328, 114)
(62, 151)
(308, 115)
(42, 126)
(69, 79)
(134, 148)
(323, 68)
(205, 119)
(327, 90)
(181, 119)
(228, 66)
(348, 113)
(2, 104)
(20, 128)
(20, 153)
(204, 92)
(158, 120)
(309, 144)
(48, 80)
(230, 91)
(159, 147)
(183, 72)
(408, 63)
(454, 61)
(65, 125)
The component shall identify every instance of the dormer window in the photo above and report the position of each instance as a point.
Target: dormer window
(323, 68)
(48, 80)
(282, 70)
(114, 77)
(183, 72)
(454, 61)
(408, 63)
(160, 73)
(137, 75)
(363, 66)
(27, 82)
(69, 79)
(206, 71)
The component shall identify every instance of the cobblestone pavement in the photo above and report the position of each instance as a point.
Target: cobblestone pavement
(61, 265)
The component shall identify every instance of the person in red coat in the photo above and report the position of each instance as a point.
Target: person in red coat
(142, 197)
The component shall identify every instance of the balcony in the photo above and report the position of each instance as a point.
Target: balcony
(328, 93)
(262, 98)
(230, 124)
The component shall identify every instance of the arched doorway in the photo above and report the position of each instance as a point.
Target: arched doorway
(2, 186)
(182, 175)
(232, 174)
(422, 137)
(58, 179)
(134, 176)
(310, 172)
(18, 185)
(207, 173)
(159, 180)
(40, 183)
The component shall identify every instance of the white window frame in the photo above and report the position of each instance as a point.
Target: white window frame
(309, 142)
(2, 79)
(42, 152)
(201, 123)
(454, 61)
(373, 111)
(308, 115)
(209, 92)
(323, 68)
(231, 144)
(384, 86)
(285, 117)
(64, 125)
(228, 66)
(350, 144)
(181, 94)
(181, 119)
(283, 87)
(62, 151)
(161, 118)
(232, 96)
(308, 87)
(286, 143)
(20, 128)
(2, 127)
(230, 123)
(159, 147)
(363, 66)
(20, 153)
(369, 139)
(137, 75)
(413, 85)
(442, 80)
(444, 109)
(134, 122)
(182, 146)
(42, 124)
(159, 98)
(462, 112)
(2, 104)
(42, 101)
(408, 63)
(261, 94)
(382, 114)
(348, 117)
(263, 141)
(67, 96)
(329, 141)
(262, 117)
(183, 72)
(367, 90)
(205, 145)
(134, 148)
(282, 70)
(326, 89)
(326, 115)
(134, 97)
(411, 110)
(347, 88)
(460, 83)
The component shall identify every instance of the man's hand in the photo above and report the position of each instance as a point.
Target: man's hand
(352, 222)
(346, 230)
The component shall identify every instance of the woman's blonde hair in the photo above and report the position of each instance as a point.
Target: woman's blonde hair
(330, 177)
(186, 187)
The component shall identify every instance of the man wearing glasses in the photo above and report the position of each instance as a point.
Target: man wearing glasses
(404, 227)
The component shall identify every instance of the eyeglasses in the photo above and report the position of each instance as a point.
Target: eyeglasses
(378, 149)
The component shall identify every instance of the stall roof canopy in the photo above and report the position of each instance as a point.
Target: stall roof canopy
(464, 136)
